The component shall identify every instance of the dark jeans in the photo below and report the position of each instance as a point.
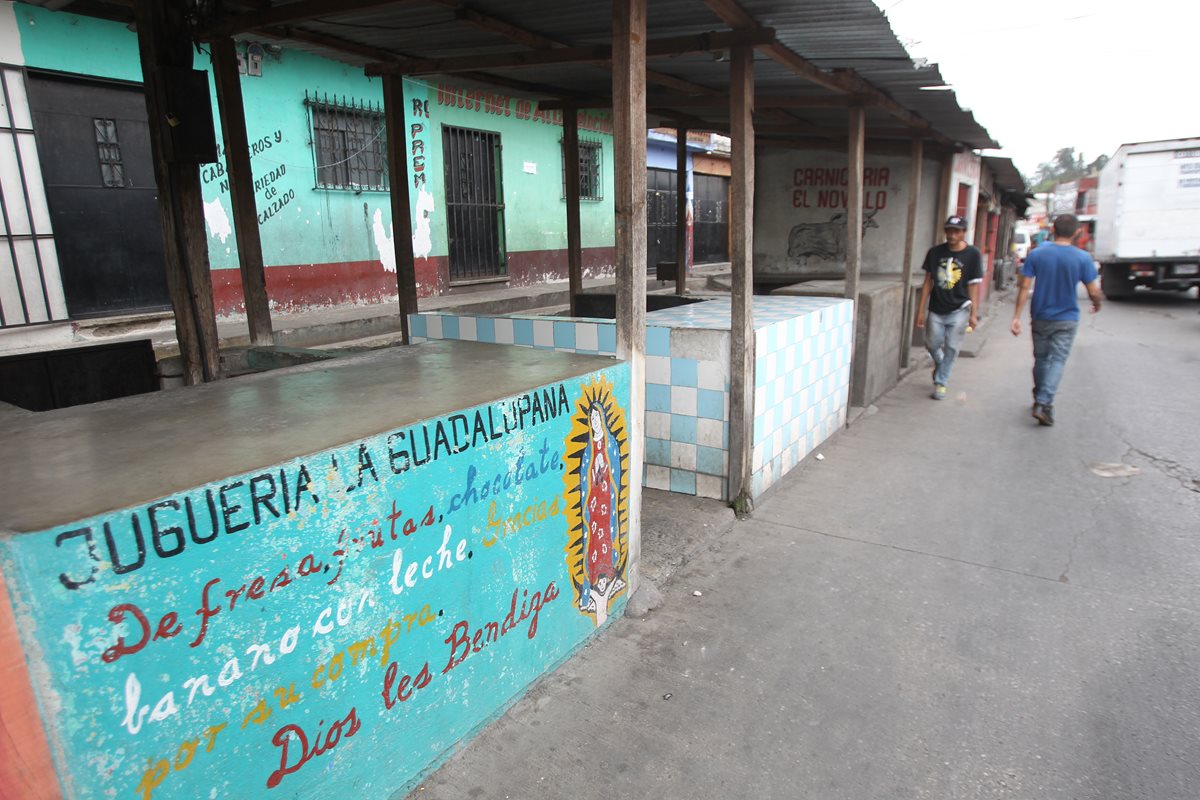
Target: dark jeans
(1052, 340)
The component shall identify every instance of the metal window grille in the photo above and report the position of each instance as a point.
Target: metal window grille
(349, 143)
(474, 204)
(108, 148)
(30, 287)
(590, 187)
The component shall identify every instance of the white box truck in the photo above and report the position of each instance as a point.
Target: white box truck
(1148, 217)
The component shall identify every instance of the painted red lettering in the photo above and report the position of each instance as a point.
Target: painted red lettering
(291, 738)
(117, 616)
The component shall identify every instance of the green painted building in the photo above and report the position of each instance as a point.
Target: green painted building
(487, 170)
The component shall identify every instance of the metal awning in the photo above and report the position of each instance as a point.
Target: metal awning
(812, 60)
(1009, 182)
(1008, 178)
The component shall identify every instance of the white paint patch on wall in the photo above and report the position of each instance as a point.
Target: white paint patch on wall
(10, 37)
(422, 238)
(383, 242)
(423, 233)
(218, 220)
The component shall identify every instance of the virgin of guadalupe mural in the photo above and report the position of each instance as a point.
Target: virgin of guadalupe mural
(597, 492)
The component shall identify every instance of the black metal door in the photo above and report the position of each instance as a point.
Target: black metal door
(710, 231)
(474, 204)
(94, 148)
(660, 215)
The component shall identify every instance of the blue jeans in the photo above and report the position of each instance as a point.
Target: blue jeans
(943, 339)
(1052, 340)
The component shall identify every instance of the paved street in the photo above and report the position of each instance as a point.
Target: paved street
(952, 604)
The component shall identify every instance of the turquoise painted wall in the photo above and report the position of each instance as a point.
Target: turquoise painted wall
(535, 217)
(301, 224)
(83, 45)
(338, 621)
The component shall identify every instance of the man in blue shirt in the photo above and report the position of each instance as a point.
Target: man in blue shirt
(1056, 269)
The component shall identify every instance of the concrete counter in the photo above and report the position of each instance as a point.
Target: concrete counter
(327, 575)
(134, 450)
(801, 372)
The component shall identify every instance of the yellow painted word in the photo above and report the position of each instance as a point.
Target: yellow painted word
(331, 670)
(499, 527)
(262, 712)
(157, 771)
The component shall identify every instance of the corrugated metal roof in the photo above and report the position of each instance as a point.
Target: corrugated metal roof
(1008, 177)
(833, 35)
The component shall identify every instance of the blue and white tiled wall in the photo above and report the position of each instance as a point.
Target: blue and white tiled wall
(801, 388)
(588, 337)
(687, 398)
(687, 412)
(802, 369)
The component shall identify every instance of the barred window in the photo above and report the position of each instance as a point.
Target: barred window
(349, 144)
(589, 171)
(108, 151)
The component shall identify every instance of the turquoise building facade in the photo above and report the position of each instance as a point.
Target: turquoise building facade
(329, 244)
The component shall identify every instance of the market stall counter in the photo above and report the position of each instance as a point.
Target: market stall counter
(801, 380)
(329, 573)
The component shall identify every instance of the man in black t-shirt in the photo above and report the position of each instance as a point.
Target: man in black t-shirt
(953, 274)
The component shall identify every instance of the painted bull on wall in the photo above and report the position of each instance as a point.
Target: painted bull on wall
(824, 241)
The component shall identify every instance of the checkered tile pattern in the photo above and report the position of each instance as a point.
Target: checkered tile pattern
(687, 410)
(802, 379)
(801, 387)
(591, 337)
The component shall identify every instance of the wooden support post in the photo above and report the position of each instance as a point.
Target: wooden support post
(397, 153)
(241, 191)
(854, 203)
(741, 226)
(571, 190)
(910, 234)
(629, 143)
(681, 203)
(943, 203)
(164, 41)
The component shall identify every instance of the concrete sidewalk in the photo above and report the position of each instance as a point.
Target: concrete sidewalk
(949, 605)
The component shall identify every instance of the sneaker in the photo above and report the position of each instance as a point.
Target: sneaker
(1044, 414)
(939, 392)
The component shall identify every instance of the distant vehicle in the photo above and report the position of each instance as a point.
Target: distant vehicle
(1148, 220)
(1020, 244)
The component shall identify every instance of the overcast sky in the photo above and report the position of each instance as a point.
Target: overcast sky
(1045, 74)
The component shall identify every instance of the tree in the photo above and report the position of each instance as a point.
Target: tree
(1065, 166)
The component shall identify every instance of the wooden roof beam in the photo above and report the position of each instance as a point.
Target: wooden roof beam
(778, 116)
(674, 119)
(529, 38)
(874, 146)
(670, 46)
(844, 81)
(283, 33)
(293, 13)
(376, 54)
(762, 101)
(876, 132)
(737, 17)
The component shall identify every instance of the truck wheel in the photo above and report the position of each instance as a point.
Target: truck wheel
(1114, 281)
